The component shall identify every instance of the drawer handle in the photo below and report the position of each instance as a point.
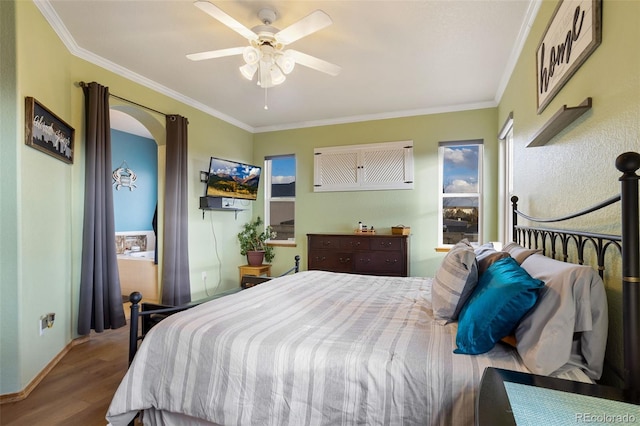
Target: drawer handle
(365, 260)
(345, 259)
(392, 261)
(387, 243)
(320, 258)
(356, 243)
(326, 243)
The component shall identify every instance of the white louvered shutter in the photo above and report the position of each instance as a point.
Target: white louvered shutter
(336, 169)
(380, 166)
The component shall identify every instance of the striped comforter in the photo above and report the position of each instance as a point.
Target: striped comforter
(313, 348)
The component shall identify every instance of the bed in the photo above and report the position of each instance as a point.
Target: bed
(318, 348)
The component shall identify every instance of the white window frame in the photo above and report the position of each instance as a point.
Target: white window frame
(506, 161)
(268, 198)
(442, 195)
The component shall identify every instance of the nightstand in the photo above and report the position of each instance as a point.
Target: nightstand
(493, 404)
(255, 271)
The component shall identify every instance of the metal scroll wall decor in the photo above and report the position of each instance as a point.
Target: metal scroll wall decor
(124, 177)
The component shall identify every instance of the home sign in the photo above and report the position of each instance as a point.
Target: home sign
(574, 32)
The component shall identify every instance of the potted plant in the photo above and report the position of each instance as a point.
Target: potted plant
(253, 242)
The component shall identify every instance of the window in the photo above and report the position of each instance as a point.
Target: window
(506, 185)
(460, 191)
(508, 230)
(280, 196)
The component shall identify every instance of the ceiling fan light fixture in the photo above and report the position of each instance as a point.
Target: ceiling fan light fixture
(286, 62)
(267, 54)
(251, 55)
(277, 77)
(248, 71)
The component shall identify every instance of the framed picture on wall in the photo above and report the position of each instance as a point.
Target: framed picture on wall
(47, 132)
(573, 33)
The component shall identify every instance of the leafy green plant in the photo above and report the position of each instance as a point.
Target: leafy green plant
(253, 237)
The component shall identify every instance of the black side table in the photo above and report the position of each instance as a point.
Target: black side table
(493, 407)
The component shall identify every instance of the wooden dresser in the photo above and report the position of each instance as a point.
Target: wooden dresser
(368, 254)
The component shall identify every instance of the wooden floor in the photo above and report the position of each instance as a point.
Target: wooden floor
(79, 389)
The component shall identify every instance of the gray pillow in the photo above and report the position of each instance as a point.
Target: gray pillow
(518, 252)
(490, 259)
(573, 303)
(454, 282)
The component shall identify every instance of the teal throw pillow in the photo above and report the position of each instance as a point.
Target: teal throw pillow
(504, 294)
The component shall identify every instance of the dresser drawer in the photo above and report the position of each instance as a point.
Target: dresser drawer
(330, 242)
(354, 243)
(327, 260)
(393, 244)
(380, 263)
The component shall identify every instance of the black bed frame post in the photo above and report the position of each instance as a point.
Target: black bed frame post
(135, 299)
(514, 217)
(628, 163)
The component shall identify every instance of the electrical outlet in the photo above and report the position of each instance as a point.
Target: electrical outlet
(42, 325)
(204, 275)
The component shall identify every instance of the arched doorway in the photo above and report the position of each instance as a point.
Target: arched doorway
(138, 138)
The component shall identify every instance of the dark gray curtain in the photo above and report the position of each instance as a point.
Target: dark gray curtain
(176, 289)
(100, 298)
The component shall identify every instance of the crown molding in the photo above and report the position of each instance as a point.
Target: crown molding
(374, 117)
(530, 16)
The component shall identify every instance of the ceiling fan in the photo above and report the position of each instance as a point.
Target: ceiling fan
(266, 54)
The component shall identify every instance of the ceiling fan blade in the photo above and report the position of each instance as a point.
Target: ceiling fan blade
(212, 54)
(227, 20)
(311, 23)
(315, 63)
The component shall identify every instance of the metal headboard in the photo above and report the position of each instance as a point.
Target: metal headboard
(628, 243)
(548, 239)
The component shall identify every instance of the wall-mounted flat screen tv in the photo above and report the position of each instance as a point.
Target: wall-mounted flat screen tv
(232, 179)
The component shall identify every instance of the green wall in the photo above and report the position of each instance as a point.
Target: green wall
(9, 235)
(418, 208)
(576, 169)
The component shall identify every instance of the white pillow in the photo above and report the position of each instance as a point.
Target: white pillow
(484, 250)
(454, 282)
(486, 255)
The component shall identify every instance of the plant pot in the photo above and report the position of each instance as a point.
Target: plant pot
(255, 258)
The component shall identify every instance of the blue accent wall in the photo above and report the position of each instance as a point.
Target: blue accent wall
(134, 209)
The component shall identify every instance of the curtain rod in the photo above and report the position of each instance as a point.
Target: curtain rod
(83, 84)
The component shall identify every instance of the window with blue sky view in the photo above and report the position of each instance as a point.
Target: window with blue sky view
(460, 191)
(281, 196)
